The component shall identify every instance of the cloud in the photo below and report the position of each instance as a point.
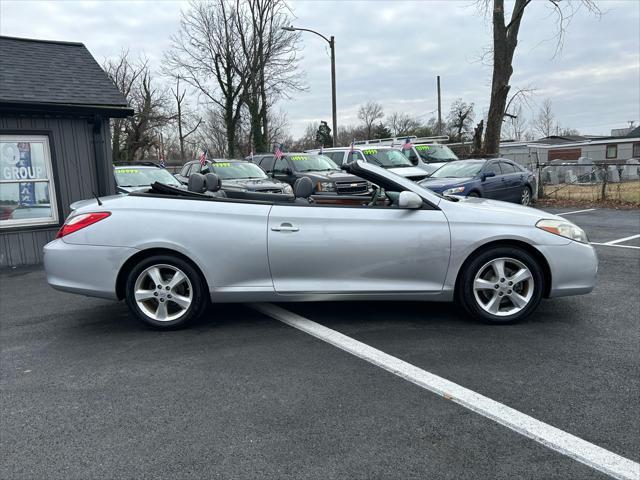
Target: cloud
(391, 52)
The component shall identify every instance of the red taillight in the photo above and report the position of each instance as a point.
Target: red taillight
(80, 221)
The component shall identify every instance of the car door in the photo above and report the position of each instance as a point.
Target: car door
(183, 176)
(266, 163)
(493, 187)
(514, 180)
(283, 171)
(332, 249)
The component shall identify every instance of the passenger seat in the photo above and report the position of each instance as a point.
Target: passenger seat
(302, 190)
(196, 183)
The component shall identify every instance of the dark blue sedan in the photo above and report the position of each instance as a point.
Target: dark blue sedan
(495, 178)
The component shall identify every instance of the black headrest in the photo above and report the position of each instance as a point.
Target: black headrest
(213, 182)
(197, 183)
(303, 188)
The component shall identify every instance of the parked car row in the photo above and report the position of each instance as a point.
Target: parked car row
(497, 179)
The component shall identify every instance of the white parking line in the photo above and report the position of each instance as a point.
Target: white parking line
(620, 240)
(616, 246)
(577, 211)
(554, 438)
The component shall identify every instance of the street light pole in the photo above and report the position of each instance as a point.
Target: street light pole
(332, 45)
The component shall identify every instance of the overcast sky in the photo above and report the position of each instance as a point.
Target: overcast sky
(391, 52)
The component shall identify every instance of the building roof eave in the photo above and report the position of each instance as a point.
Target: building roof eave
(111, 111)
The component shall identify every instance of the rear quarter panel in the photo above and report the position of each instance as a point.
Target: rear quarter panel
(227, 240)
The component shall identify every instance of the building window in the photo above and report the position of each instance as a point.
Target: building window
(612, 151)
(27, 191)
(636, 150)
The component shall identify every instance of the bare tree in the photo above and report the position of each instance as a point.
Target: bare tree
(212, 135)
(368, 114)
(515, 124)
(505, 40)
(402, 124)
(460, 119)
(308, 139)
(545, 122)
(206, 47)
(187, 123)
(135, 136)
(268, 63)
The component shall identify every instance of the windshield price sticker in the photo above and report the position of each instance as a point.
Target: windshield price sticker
(127, 170)
(222, 164)
(370, 152)
(423, 147)
(298, 157)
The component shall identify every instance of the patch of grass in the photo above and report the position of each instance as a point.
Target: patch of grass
(625, 192)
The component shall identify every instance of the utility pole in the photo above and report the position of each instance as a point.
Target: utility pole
(332, 44)
(439, 109)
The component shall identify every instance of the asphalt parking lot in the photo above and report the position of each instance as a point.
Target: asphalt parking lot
(88, 392)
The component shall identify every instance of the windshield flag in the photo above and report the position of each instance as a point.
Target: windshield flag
(203, 157)
(353, 146)
(407, 144)
(278, 152)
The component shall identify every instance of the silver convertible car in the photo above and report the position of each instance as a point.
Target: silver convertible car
(169, 252)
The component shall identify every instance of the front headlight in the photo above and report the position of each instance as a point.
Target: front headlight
(326, 187)
(287, 189)
(564, 229)
(453, 191)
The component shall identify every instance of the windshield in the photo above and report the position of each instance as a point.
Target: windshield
(309, 163)
(458, 169)
(387, 158)
(237, 170)
(142, 177)
(435, 153)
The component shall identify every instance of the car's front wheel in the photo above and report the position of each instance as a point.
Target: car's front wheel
(501, 285)
(525, 196)
(165, 292)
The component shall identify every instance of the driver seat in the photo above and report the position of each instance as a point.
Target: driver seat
(213, 186)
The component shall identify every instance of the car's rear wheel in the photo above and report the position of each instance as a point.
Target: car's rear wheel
(501, 285)
(525, 196)
(165, 291)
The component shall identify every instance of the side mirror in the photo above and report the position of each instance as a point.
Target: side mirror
(409, 200)
(484, 176)
(288, 171)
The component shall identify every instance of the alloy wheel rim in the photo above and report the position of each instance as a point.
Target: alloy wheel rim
(163, 292)
(503, 286)
(526, 197)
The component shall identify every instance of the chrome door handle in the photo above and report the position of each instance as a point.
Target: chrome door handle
(285, 227)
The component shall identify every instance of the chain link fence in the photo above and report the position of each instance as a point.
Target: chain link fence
(591, 181)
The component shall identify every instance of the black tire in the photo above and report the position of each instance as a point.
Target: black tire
(196, 287)
(465, 288)
(474, 194)
(525, 196)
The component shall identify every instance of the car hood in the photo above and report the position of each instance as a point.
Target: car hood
(444, 183)
(253, 183)
(333, 176)
(486, 208)
(409, 171)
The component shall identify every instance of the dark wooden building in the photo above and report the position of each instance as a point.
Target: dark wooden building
(55, 149)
